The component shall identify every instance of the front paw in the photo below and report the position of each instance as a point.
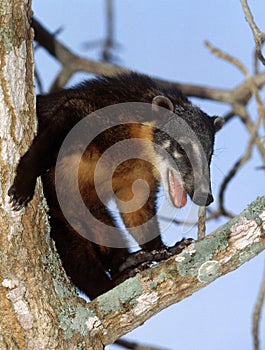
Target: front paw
(20, 193)
(135, 260)
(142, 258)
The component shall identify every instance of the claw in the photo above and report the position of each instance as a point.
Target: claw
(11, 193)
(16, 207)
(19, 204)
(179, 246)
(17, 200)
(142, 258)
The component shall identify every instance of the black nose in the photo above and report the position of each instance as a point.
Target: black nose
(202, 199)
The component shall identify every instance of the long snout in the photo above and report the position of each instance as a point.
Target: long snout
(202, 198)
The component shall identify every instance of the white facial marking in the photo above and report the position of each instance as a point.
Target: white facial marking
(176, 155)
(165, 144)
(196, 149)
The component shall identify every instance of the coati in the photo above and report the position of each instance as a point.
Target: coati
(168, 128)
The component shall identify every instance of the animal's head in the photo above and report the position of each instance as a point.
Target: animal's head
(185, 142)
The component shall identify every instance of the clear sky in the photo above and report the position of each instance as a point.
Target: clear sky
(165, 39)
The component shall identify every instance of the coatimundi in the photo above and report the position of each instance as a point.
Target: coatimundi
(177, 150)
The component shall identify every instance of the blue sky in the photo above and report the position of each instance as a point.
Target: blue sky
(166, 39)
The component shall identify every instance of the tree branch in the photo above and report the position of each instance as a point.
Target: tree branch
(239, 107)
(259, 37)
(150, 291)
(201, 222)
(238, 164)
(72, 63)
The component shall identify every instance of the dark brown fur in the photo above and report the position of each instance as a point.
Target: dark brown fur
(94, 267)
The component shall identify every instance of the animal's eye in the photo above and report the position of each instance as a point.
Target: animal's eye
(180, 149)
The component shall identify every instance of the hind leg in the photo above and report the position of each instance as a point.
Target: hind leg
(80, 260)
(91, 236)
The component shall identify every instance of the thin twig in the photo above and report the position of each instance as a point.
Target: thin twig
(252, 128)
(259, 37)
(242, 160)
(201, 222)
(257, 314)
(109, 41)
(227, 57)
(233, 171)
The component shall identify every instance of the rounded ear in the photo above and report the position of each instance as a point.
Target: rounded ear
(218, 123)
(162, 101)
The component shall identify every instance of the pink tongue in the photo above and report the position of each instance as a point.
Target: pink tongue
(177, 193)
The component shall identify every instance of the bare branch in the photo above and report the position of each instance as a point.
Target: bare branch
(240, 110)
(109, 41)
(108, 44)
(249, 79)
(225, 56)
(259, 37)
(242, 160)
(71, 63)
(74, 63)
(239, 163)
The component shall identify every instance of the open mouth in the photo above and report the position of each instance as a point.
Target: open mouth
(177, 193)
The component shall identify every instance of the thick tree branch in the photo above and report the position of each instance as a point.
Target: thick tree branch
(150, 291)
(131, 303)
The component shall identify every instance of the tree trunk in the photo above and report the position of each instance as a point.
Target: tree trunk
(33, 287)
